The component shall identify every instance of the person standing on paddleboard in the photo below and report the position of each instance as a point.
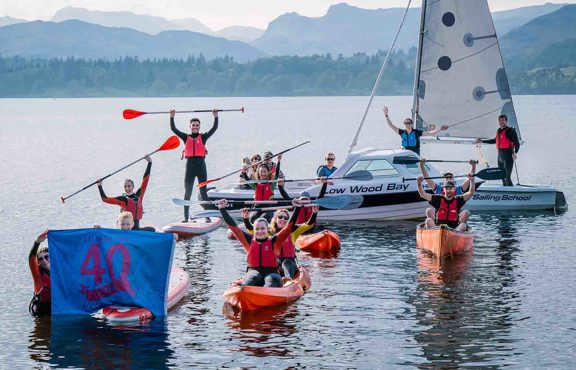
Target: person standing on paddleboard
(130, 201)
(411, 136)
(39, 262)
(508, 145)
(195, 153)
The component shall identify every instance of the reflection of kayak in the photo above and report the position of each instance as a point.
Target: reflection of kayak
(248, 298)
(322, 241)
(443, 241)
(177, 289)
(193, 227)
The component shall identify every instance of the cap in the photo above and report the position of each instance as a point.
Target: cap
(305, 194)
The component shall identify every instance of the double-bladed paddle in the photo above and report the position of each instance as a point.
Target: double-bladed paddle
(131, 113)
(204, 183)
(413, 160)
(171, 143)
(492, 173)
(344, 201)
(361, 175)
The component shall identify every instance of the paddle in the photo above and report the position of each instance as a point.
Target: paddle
(131, 113)
(171, 143)
(204, 183)
(344, 201)
(492, 173)
(361, 175)
(413, 160)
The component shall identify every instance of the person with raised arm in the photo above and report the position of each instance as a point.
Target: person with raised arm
(39, 263)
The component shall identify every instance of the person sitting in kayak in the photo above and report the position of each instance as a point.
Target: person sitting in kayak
(130, 201)
(326, 170)
(261, 248)
(263, 190)
(448, 205)
(287, 256)
(39, 262)
(411, 136)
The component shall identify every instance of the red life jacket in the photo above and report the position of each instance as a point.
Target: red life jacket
(263, 191)
(502, 140)
(304, 215)
(261, 254)
(134, 207)
(288, 249)
(448, 211)
(44, 293)
(195, 147)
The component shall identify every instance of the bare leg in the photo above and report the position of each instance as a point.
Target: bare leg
(430, 224)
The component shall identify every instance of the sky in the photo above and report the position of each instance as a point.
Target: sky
(218, 14)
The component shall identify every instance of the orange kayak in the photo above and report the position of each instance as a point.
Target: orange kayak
(249, 298)
(323, 241)
(443, 242)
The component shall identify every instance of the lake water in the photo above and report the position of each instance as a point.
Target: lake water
(378, 304)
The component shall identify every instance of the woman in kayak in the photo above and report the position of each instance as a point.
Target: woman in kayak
(264, 187)
(130, 201)
(262, 249)
(39, 262)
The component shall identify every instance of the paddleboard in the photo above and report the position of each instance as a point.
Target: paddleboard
(177, 289)
(193, 227)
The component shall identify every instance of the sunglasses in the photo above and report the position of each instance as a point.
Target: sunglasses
(283, 217)
(45, 258)
(330, 159)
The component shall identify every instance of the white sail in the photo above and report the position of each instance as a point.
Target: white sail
(461, 78)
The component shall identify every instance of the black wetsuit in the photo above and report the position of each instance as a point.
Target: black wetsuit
(505, 160)
(195, 166)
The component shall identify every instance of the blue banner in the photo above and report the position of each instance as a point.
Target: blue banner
(95, 268)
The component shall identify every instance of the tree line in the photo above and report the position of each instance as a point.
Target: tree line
(318, 75)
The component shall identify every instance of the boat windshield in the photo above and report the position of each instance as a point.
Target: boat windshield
(377, 167)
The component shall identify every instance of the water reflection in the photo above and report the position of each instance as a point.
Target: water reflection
(85, 342)
(198, 264)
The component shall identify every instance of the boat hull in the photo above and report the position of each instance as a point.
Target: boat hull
(444, 242)
(193, 228)
(323, 241)
(516, 198)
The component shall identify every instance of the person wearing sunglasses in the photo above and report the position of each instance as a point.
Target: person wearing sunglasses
(326, 170)
(448, 205)
(39, 263)
(411, 136)
(130, 201)
(195, 152)
(261, 248)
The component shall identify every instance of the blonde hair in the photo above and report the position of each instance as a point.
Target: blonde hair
(258, 172)
(42, 249)
(274, 222)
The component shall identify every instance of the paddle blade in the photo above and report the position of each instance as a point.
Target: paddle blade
(405, 160)
(361, 175)
(346, 201)
(130, 113)
(181, 202)
(172, 142)
(204, 183)
(491, 173)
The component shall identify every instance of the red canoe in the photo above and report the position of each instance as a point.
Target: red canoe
(443, 241)
(323, 241)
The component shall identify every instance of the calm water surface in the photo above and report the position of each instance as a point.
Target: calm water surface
(377, 304)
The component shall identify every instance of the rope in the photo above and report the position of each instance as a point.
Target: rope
(377, 82)
(481, 155)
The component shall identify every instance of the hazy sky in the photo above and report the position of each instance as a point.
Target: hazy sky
(217, 13)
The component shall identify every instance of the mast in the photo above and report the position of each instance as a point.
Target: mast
(415, 102)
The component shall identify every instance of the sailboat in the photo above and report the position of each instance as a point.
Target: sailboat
(460, 81)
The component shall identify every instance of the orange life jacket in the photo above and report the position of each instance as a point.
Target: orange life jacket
(195, 147)
(288, 249)
(262, 254)
(448, 211)
(502, 140)
(263, 191)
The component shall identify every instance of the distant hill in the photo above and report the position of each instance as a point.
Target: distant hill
(347, 29)
(143, 23)
(540, 33)
(241, 33)
(6, 21)
(85, 40)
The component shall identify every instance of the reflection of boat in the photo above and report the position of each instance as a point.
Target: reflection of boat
(443, 241)
(322, 241)
(441, 271)
(248, 298)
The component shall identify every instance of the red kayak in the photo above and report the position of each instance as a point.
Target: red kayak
(323, 241)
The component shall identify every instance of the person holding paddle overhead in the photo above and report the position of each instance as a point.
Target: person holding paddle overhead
(411, 136)
(195, 153)
(39, 262)
(447, 205)
(130, 201)
(262, 250)
(508, 145)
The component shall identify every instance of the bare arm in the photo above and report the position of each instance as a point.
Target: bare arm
(435, 131)
(472, 189)
(424, 195)
(390, 124)
(466, 183)
(425, 173)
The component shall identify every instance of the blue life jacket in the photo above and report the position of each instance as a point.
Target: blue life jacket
(409, 140)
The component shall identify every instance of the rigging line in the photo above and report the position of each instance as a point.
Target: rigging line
(377, 82)
(458, 123)
(464, 57)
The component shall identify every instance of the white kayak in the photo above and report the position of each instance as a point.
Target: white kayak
(198, 226)
(177, 289)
